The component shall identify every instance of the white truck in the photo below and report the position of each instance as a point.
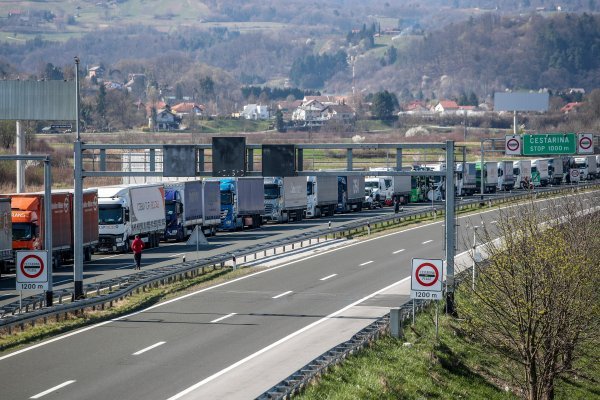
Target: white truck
(321, 196)
(555, 170)
(466, 179)
(586, 166)
(506, 177)
(285, 198)
(522, 173)
(129, 210)
(539, 172)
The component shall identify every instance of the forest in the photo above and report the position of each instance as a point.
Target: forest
(426, 55)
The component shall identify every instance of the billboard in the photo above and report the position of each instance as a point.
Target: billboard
(521, 101)
(228, 156)
(33, 100)
(278, 160)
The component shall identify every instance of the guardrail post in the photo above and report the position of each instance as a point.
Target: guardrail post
(395, 322)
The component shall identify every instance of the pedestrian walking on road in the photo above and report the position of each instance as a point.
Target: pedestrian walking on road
(137, 246)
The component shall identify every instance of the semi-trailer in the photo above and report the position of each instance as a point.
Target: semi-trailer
(191, 204)
(321, 196)
(506, 177)
(351, 193)
(29, 226)
(555, 170)
(466, 179)
(6, 253)
(242, 202)
(285, 198)
(129, 210)
(490, 177)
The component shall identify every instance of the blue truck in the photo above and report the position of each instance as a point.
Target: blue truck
(242, 203)
(189, 205)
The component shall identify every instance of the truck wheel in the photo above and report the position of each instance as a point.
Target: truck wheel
(87, 254)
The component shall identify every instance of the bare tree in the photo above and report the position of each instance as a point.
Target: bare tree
(536, 301)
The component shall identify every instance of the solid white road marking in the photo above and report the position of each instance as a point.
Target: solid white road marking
(223, 317)
(327, 277)
(282, 294)
(126, 266)
(55, 388)
(137, 353)
(427, 241)
(398, 251)
(365, 263)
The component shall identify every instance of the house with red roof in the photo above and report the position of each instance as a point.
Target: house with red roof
(570, 107)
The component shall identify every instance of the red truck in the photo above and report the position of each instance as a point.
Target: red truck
(29, 229)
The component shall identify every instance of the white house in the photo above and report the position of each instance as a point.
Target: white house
(255, 111)
(309, 111)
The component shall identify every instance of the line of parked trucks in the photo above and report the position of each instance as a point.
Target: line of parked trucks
(114, 215)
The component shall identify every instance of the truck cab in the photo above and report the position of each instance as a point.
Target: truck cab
(173, 215)
(113, 217)
(522, 173)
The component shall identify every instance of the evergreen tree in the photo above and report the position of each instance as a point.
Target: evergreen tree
(279, 123)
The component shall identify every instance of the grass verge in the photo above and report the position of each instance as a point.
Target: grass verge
(453, 367)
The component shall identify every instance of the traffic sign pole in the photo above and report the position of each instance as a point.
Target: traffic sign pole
(48, 223)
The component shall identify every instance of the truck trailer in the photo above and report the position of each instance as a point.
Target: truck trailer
(555, 170)
(129, 210)
(6, 253)
(242, 202)
(285, 198)
(321, 196)
(506, 177)
(351, 193)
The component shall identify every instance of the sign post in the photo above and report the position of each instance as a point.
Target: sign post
(32, 271)
(426, 282)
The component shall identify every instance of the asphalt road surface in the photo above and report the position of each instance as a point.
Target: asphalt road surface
(236, 339)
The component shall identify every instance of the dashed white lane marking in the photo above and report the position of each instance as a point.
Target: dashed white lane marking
(126, 266)
(493, 222)
(54, 389)
(398, 251)
(365, 263)
(327, 277)
(223, 317)
(282, 294)
(155, 345)
(427, 241)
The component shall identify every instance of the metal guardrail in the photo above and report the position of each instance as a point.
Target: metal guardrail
(108, 291)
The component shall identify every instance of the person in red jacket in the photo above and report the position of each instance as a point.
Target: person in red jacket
(137, 246)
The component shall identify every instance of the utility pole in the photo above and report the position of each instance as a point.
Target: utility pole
(77, 200)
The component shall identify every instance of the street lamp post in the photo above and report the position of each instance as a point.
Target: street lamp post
(77, 200)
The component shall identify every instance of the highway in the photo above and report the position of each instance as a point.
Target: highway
(236, 339)
(107, 266)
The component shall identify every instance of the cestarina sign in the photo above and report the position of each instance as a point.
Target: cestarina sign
(426, 279)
